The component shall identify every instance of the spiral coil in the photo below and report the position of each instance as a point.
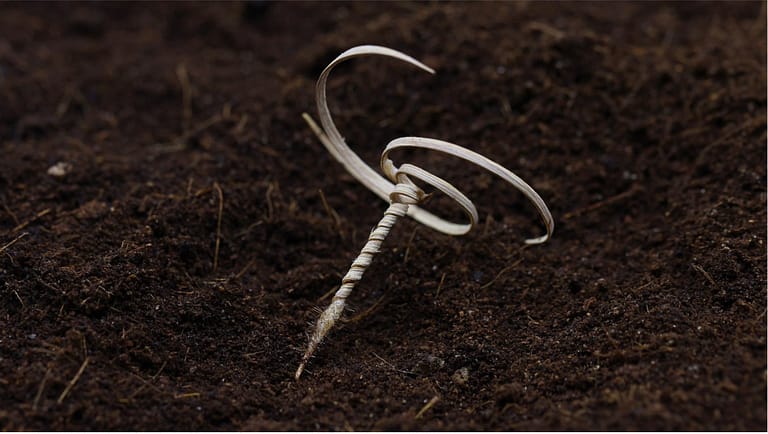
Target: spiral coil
(400, 191)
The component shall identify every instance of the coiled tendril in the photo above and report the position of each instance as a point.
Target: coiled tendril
(400, 191)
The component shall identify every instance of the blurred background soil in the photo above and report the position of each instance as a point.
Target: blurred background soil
(643, 126)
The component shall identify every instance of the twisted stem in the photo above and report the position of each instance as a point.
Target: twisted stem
(403, 195)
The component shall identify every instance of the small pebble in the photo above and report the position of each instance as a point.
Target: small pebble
(59, 169)
(461, 376)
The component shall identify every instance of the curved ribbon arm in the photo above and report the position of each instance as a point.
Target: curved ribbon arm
(333, 141)
(483, 162)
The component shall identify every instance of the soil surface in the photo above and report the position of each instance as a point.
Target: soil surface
(164, 242)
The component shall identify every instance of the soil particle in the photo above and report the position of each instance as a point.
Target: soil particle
(461, 376)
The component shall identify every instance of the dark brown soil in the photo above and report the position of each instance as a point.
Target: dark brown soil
(643, 126)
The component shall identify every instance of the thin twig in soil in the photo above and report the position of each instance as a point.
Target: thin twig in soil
(255, 353)
(366, 312)
(427, 406)
(408, 246)
(186, 96)
(240, 127)
(613, 199)
(483, 404)
(11, 213)
(701, 270)
(218, 226)
(84, 345)
(20, 300)
(189, 187)
(503, 270)
(487, 225)
(202, 126)
(73, 381)
(440, 285)
(28, 222)
(202, 191)
(633, 92)
(48, 285)
(546, 29)
(179, 143)
(187, 395)
(328, 294)
(641, 287)
(40, 390)
(145, 383)
(242, 272)
(391, 366)
(270, 206)
(331, 213)
(250, 227)
(2, 249)
(49, 349)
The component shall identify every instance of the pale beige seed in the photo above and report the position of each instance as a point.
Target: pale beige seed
(400, 191)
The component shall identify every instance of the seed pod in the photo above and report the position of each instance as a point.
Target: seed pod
(400, 191)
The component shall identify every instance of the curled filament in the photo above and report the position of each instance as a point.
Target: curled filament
(399, 190)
